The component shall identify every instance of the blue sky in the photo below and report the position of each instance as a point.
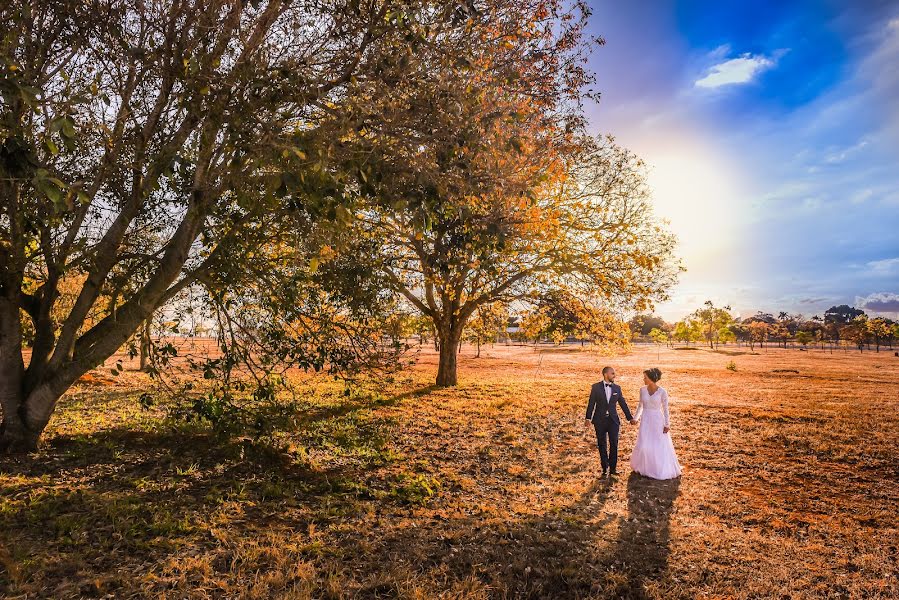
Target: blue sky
(772, 134)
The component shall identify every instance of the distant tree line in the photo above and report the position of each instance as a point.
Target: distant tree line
(841, 326)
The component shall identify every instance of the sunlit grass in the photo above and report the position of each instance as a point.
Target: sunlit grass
(483, 491)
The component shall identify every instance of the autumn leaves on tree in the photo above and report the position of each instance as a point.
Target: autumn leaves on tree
(311, 164)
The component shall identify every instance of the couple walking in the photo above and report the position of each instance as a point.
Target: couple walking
(653, 455)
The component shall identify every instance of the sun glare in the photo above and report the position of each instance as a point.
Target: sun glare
(701, 197)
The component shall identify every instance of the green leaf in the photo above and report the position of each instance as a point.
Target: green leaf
(28, 94)
(52, 192)
(68, 128)
(51, 146)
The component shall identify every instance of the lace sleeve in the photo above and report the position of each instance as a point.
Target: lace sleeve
(665, 408)
(639, 405)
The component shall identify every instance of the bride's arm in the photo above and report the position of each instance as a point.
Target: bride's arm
(639, 405)
(665, 409)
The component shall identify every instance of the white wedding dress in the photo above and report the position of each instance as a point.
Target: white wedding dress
(653, 454)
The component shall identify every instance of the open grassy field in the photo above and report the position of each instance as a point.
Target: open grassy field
(790, 489)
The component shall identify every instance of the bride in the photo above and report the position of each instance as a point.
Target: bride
(653, 454)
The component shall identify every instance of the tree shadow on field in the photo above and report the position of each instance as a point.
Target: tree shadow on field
(119, 499)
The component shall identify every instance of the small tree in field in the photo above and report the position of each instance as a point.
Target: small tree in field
(422, 326)
(758, 334)
(725, 335)
(878, 329)
(779, 331)
(712, 320)
(643, 324)
(658, 336)
(857, 331)
(683, 332)
(488, 322)
(803, 338)
(399, 325)
(571, 316)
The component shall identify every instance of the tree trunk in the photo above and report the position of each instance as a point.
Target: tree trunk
(25, 412)
(449, 352)
(24, 418)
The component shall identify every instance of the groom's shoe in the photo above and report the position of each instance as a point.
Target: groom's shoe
(614, 473)
(605, 473)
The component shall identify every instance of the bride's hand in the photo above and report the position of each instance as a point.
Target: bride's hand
(665, 430)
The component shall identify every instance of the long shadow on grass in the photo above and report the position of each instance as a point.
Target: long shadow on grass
(564, 553)
(641, 551)
(551, 555)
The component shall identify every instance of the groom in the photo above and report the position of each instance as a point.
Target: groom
(601, 411)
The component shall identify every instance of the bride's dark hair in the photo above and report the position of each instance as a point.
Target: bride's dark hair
(654, 374)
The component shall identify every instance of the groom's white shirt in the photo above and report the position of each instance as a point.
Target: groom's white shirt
(608, 388)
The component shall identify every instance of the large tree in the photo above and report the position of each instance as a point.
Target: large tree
(462, 146)
(842, 314)
(592, 234)
(144, 145)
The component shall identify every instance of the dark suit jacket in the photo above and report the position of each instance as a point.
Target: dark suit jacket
(599, 406)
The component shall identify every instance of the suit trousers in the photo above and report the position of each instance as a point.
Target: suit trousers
(607, 441)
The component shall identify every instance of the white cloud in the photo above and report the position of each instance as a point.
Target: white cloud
(881, 69)
(861, 196)
(841, 155)
(736, 70)
(885, 266)
(880, 302)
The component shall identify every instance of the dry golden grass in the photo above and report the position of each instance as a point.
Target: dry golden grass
(790, 490)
